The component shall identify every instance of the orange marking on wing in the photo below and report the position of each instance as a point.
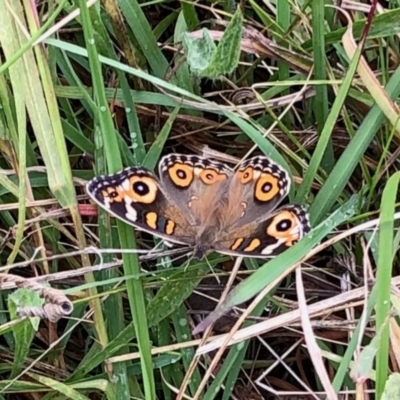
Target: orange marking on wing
(267, 187)
(151, 219)
(236, 244)
(246, 175)
(170, 227)
(210, 176)
(281, 226)
(181, 175)
(141, 189)
(253, 245)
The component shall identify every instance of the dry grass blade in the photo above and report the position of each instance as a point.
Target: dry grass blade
(371, 82)
(312, 346)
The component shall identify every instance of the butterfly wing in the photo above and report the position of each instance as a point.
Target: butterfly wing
(253, 226)
(279, 231)
(195, 185)
(134, 196)
(255, 190)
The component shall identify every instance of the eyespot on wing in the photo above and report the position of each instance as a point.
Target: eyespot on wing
(181, 174)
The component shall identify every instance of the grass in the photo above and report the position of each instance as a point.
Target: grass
(88, 91)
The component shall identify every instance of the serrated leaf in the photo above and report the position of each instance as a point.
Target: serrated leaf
(363, 368)
(226, 57)
(25, 330)
(199, 52)
(174, 292)
(25, 298)
(211, 61)
(392, 388)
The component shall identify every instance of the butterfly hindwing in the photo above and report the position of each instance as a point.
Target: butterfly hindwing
(279, 231)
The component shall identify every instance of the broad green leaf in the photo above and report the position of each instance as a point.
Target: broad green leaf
(364, 367)
(392, 388)
(383, 277)
(226, 57)
(211, 61)
(199, 52)
(25, 330)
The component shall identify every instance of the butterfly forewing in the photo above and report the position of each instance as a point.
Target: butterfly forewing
(194, 184)
(134, 196)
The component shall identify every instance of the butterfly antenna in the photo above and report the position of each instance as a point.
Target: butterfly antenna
(151, 254)
(180, 256)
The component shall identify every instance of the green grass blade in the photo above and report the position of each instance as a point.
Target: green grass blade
(283, 19)
(324, 138)
(382, 25)
(157, 147)
(28, 44)
(383, 278)
(64, 390)
(131, 263)
(141, 29)
(348, 161)
(321, 91)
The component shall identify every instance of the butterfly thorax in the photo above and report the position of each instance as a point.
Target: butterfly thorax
(206, 236)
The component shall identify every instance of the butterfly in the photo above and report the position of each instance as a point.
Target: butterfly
(207, 205)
